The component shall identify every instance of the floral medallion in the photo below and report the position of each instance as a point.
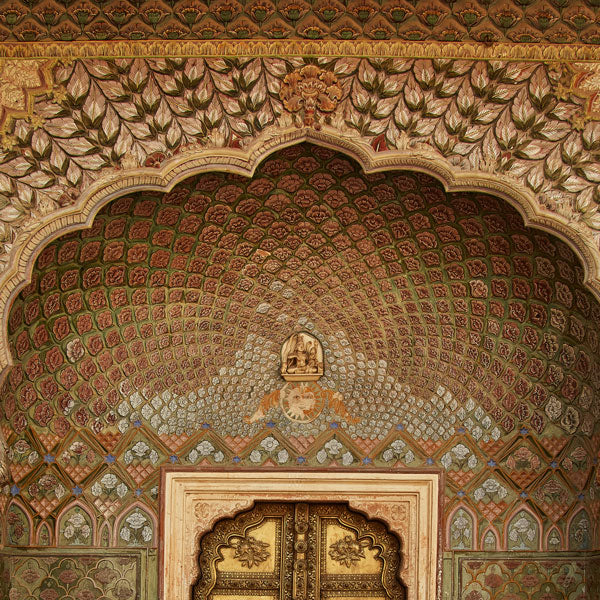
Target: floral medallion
(347, 551)
(309, 90)
(249, 551)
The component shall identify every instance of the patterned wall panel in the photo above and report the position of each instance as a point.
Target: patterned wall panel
(85, 575)
(549, 577)
(453, 336)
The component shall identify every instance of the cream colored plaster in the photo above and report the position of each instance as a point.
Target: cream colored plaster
(194, 500)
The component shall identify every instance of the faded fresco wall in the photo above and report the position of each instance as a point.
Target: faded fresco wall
(453, 336)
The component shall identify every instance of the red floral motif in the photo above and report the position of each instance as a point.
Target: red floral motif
(61, 426)
(68, 576)
(542, 290)
(53, 359)
(43, 414)
(92, 277)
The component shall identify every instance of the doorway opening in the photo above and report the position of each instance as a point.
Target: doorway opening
(299, 550)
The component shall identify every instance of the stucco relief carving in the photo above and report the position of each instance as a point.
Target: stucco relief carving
(301, 358)
(310, 90)
(20, 82)
(582, 80)
(208, 512)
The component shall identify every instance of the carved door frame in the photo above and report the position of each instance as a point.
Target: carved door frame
(193, 500)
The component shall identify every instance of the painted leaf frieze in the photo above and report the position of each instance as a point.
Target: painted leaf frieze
(104, 116)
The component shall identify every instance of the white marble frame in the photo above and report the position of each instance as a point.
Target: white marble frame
(193, 500)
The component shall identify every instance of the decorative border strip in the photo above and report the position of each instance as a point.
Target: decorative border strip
(264, 47)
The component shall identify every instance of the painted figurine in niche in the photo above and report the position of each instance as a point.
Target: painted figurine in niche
(301, 399)
(301, 358)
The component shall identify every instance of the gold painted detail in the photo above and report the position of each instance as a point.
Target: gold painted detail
(302, 357)
(304, 538)
(348, 551)
(582, 80)
(298, 47)
(249, 551)
(300, 580)
(20, 82)
(309, 90)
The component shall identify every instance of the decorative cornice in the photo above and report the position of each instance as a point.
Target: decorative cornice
(547, 53)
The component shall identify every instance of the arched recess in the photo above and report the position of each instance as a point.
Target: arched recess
(461, 529)
(554, 539)
(136, 526)
(580, 528)
(341, 546)
(75, 526)
(490, 539)
(522, 529)
(29, 243)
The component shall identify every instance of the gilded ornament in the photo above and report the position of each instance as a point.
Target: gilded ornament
(250, 551)
(4, 468)
(296, 537)
(309, 90)
(347, 551)
(583, 81)
(20, 82)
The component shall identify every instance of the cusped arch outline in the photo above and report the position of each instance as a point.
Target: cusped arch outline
(85, 509)
(176, 169)
(474, 524)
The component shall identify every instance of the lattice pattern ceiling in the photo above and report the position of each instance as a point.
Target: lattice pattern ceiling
(453, 337)
(191, 295)
(555, 21)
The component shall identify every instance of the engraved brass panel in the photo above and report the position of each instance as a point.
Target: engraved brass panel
(299, 551)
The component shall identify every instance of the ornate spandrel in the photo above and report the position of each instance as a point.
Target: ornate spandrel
(302, 358)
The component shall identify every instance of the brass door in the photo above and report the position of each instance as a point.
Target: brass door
(299, 551)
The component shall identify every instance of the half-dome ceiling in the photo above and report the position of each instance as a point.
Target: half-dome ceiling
(436, 311)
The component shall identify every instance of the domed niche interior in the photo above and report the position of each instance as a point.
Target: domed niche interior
(453, 337)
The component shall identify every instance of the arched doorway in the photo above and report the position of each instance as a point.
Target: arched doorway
(455, 335)
(299, 550)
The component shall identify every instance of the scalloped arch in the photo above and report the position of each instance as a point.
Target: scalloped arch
(244, 162)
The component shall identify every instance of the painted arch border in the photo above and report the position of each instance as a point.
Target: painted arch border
(244, 161)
